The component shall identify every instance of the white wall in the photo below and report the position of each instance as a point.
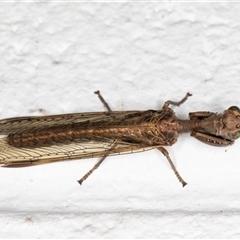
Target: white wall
(53, 56)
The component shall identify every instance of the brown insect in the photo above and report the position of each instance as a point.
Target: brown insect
(31, 141)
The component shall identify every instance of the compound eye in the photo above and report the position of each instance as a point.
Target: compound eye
(234, 108)
(234, 135)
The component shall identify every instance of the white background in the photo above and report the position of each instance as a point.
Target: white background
(53, 56)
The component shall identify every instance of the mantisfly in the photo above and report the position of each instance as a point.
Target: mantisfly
(31, 141)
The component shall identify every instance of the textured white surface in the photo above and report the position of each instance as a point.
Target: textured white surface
(54, 55)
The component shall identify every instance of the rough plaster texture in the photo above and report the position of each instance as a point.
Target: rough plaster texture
(54, 55)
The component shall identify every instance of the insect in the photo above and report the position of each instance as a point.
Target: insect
(31, 141)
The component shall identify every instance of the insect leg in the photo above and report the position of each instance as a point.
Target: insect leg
(90, 171)
(103, 157)
(200, 115)
(211, 139)
(103, 101)
(166, 154)
(167, 103)
(97, 164)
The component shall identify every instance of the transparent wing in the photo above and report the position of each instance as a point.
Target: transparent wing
(24, 124)
(22, 157)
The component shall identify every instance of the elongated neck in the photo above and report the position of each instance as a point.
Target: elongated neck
(188, 125)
